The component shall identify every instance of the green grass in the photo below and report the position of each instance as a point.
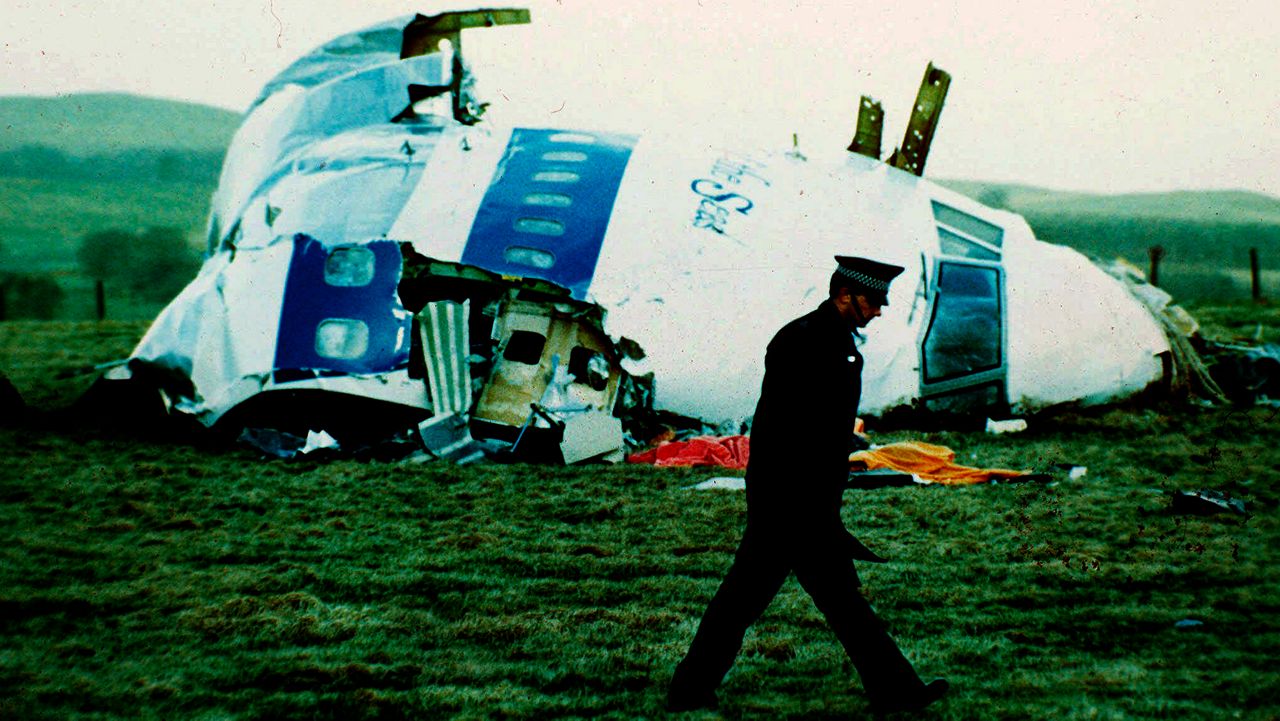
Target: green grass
(148, 577)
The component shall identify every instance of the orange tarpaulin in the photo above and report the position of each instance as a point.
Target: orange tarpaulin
(930, 463)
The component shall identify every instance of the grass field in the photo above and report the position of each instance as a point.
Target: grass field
(152, 577)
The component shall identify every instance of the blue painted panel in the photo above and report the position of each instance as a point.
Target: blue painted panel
(309, 300)
(547, 208)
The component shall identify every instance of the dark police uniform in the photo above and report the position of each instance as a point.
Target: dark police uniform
(800, 443)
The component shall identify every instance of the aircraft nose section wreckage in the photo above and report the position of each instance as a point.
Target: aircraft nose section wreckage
(381, 259)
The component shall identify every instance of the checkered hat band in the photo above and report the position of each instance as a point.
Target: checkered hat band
(864, 279)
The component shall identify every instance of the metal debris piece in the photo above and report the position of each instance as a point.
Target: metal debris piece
(272, 442)
(720, 483)
(318, 441)
(591, 435)
(881, 478)
(1012, 425)
(1206, 503)
(448, 437)
(866, 139)
(923, 123)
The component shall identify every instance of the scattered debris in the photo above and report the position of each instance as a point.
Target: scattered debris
(272, 442)
(881, 478)
(1206, 503)
(287, 445)
(1247, 374)
(447, 437)
(317, 441)
(721, 483)
(1013, 425)
(1073, 471)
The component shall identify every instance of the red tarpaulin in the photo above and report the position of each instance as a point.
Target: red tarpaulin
(726, 451)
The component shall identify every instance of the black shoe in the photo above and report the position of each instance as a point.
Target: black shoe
(680, 701)
(931, 692)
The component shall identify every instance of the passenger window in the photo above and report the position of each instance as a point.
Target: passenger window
(342, 338)
(531, 257)
(349, 267)
(540, 226)
(525, 347)
(549, 200)
(964, 335)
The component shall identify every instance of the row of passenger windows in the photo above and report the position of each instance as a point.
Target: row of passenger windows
(540, 258)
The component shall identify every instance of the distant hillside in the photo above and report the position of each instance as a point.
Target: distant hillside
(1230, 206)
(72, 166)
(77, 165)
(84, 125)
(1206, 235)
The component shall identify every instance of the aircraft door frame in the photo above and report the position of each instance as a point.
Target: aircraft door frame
(963, 345)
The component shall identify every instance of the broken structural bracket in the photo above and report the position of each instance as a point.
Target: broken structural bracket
(424, 35)
(924, 121)
(866, 139)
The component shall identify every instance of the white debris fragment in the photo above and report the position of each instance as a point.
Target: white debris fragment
(1013, 425)
(725, 483)
(317, 441)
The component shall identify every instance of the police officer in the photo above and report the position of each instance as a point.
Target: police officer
(801, 438)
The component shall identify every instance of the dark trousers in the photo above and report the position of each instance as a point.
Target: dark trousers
(759, 569)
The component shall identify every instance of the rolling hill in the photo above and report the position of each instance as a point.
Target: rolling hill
(95, 124)
(74, 165)
(1231, 206)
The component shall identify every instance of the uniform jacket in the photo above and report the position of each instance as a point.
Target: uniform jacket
(802, 435)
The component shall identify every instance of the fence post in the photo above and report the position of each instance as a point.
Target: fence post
(100, 295)
(1255, 274)
(1156, 252)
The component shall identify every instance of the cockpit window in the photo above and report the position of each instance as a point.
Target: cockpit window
(962, 247)
(525, 347)
(964, 335)
(589, 367)
(968, 225)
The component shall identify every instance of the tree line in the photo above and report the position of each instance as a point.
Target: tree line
(46, 162)
(150, 265)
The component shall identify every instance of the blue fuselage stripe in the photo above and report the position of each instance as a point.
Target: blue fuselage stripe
(547, 208)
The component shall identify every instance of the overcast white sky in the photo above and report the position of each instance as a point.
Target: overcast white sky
(1097, 95)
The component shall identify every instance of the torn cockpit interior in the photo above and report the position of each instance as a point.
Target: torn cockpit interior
(518, 366)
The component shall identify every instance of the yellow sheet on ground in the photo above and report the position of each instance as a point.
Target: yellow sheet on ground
(930, 463)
